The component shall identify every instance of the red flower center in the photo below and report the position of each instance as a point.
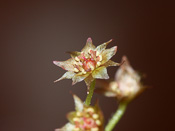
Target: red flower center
(89, 64)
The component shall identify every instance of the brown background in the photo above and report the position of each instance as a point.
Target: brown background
(33, 34)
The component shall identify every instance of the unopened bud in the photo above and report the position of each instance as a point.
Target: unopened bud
(76, 119)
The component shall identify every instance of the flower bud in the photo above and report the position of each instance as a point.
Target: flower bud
(127, 83)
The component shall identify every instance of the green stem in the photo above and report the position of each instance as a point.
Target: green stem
(117, 116)
(90, 94)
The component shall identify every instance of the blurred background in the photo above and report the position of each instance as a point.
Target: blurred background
(34, 33)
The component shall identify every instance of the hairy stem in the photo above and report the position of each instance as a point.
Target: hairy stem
(117, 116)
(90, 94)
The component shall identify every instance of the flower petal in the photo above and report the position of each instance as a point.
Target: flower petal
(71, 116)
(88, 46)
(66, 65)
(100, 73)
(67, 75)
(103, 87)
(128, 80)
(89, 80)
(108, 53)
(126, 68)
(67, 127)
(73, 54)
(78, 103)
(79, 77)
(102, 47)
(111, 63)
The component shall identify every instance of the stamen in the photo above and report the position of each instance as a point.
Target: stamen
(76, 70)
(100, 58)
(83, 71)
(95, 129)
(95, 116)
(97, 53)
(77, 59)
(76, 119)
(78, 113)
(90, 110)
(114, 86)
(98, 122)
(76, 129)
(98, 63)
(74, 62)
(89, 51)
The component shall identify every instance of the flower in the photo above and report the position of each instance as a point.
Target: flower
(127, 83)
(89, 64)
(84, 118)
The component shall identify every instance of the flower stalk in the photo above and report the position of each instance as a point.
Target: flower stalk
(88, 65)
(90, 93)
(117, 116)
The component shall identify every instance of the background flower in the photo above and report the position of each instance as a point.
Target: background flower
(127, 84)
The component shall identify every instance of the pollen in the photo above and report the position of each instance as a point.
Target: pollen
(83, 71)
(100, 58)
(95, 129)
(76, 119)
(113, 86)
(76, 129)
(77, 59)
(78, 113)
(98, 122)
(98, 63)
(89, 51)
(76, 70)
(97, 53)
(90, 110)
(89, 65)
(92, 67)
(95, 116)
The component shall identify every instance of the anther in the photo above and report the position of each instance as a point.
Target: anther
(89, 51)
(78, 113)
(76, 119)
(98, 122)
(92, 67)
(95, 116)
(98, 63)
(83, 71)
(76, 70)
(90, 110)
(95, 129)
(97, 53)
(77, 59)
(100, 58)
